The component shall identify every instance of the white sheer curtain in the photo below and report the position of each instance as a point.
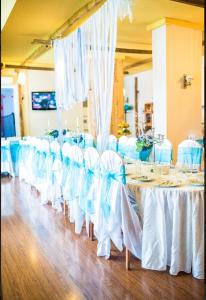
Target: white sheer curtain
(84, 64)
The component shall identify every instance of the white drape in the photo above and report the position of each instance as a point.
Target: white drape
(84, 63)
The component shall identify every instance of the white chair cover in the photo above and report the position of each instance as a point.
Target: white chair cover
(6, 162)
(72, 186)
(131, 149)
(113, 211)
(23, 159)
(90, 184)
(89, 140)
(112, 143)
(189, 154)
(44, 171)
(163, 152)
(123, 145)
(55, 167)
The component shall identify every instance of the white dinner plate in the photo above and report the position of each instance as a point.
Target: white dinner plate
(143, 178)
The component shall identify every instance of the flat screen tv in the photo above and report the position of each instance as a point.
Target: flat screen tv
(43, 101)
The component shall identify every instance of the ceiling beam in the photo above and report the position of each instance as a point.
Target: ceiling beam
(27, 67)
(137, 64)
(199, 3)
(70, 25)
(133, 51)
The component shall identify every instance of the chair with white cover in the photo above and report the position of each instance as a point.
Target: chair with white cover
(55, 173)
(65, 167)
(6, 162)
(90, 185)
(163, 152)
(24, 150)
(89, 140)
(131, 149)
(189, 155)
(112, 143)
(113, 211)
(43, 169)
(123, 145)
(72, 186)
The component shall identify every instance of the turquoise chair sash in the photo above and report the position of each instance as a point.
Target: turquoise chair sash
(107, 178)
(190, 156)
(163, 155)
(4, 153)
(86, 203)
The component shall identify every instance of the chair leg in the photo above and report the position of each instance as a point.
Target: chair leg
(127, 259)
(64, 207)
(91, 231)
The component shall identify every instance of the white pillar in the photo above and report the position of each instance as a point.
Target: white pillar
(177, 50)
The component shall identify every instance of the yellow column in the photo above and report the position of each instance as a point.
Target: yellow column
(118, 99)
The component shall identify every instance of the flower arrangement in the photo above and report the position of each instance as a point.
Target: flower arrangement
(55, 133)
(123, 129)
(144, 142)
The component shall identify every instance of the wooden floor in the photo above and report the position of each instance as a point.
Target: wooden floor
(42, 258)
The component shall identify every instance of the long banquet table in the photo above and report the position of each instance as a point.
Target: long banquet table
(173, 223)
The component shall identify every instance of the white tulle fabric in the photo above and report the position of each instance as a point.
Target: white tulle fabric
(122, 217)
(6, 164)
(72, 186)
(84, 64)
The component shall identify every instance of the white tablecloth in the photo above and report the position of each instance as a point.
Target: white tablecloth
(173, 227)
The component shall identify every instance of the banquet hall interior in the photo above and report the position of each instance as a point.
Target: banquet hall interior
(102, 149)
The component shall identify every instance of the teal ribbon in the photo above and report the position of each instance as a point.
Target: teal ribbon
(4, 153)
(65, 169)
(71, 189)
(87, 204)
(108, 177)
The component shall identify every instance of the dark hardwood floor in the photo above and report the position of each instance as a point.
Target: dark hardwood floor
(42, 258)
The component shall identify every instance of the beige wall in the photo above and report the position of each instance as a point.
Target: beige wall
(184, 56)
(36, 122)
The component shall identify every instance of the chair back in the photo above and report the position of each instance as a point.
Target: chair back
(131, 149)
(89, 140)
(163, 152)
(112, 143)
(189, 154)
(123, 145)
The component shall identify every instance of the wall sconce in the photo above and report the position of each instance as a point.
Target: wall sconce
(187, 81)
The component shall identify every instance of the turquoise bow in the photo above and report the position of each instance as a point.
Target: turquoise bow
(107, 180)
(86, 204)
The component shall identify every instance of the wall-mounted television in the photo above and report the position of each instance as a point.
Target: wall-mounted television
(43, 101)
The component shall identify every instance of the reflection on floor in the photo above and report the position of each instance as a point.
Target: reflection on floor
(42, 258)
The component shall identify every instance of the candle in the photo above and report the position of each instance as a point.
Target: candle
(65, 122)
(48, 123)
(77, 122)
